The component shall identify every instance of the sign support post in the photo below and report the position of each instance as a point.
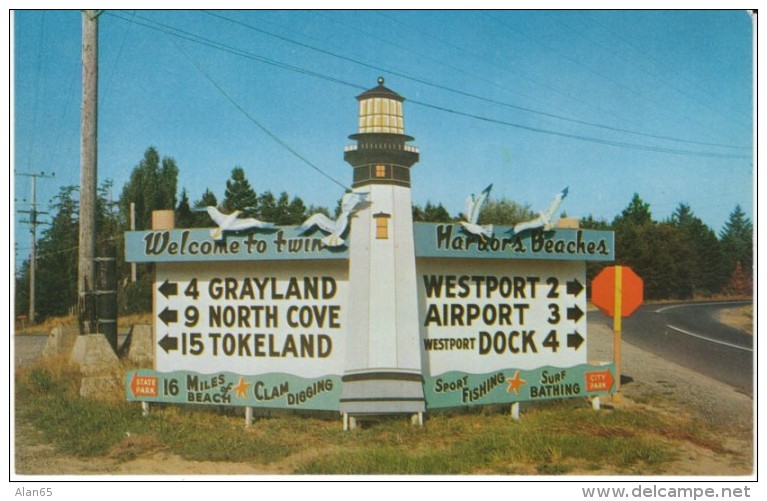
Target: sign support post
(617, 331)
(617, 291)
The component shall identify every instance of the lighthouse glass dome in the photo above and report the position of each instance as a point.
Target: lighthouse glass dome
(381, 115)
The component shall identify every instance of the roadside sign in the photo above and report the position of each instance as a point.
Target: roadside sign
(251, 318)
(617, 285)
(617, 291)
(480, 316)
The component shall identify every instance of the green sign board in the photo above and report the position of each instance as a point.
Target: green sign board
(276, 391)
(284, 391)
(431, 240)
(459, 389)
(451, 241)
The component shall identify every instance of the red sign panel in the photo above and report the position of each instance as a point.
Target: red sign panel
(143, 386)
(629, 285)
(599, 381)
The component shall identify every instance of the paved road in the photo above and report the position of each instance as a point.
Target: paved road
(689, 334)
(27, 348)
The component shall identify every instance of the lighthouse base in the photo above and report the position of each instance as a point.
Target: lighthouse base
(383, 391)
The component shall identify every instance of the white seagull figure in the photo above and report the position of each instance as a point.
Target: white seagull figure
(229, 222)
(544, 218)
(350, 203)
(471, 214)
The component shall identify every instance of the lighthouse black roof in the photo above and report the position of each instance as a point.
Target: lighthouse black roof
(380, 91)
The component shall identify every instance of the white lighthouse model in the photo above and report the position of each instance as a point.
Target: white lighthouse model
(383, 364)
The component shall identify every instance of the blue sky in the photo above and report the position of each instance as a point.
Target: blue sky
(608, 103)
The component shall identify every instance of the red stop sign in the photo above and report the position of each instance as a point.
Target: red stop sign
(629, 285)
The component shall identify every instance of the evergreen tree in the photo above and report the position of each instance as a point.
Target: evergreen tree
(267, 207)
(431, 214)
(313, 209)
(589, 223)
(200, 218)
(152, 186)
(737, 240)
(57, 257)
(637, 212)
(208, 199)
(184, 215)
(296, 212)
(504, 212)
(21, 290)
(283, 203)
(654, 251)
(705, 256)
(239, 195)
(737, 246)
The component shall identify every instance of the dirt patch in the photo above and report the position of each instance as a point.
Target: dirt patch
(740, 318)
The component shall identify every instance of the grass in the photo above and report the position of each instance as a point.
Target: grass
(741, 318)
(70, 321)
(555, 438)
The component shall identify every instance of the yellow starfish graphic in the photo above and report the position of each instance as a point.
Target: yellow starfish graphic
(515, 383)
(242, 388)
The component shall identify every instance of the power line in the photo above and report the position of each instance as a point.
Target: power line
(607, 77)
(108, 85)
(33, 213)
(659, 63)
(469, 94)
(38, 73)
(74, 247)
(169, 30)
(258, 124)
(607, 142)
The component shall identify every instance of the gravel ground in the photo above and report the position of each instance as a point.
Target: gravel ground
(658, 381)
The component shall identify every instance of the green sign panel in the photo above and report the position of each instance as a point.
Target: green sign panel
(186, 245)
(431, 240)
(458, 389)
(276, 391)
(451, 241)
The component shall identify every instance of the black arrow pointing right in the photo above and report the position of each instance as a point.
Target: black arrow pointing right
(168, 343)
(574, 287)
(574, 340)
(574, 313)
(168, 289)
(169, 316)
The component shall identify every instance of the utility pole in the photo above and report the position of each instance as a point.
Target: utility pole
(88, 156)
(133, 228)
(33, 213)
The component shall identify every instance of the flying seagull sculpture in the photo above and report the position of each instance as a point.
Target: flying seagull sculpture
(544, 218)
(230, 222)
(350, 203)
(471, 215)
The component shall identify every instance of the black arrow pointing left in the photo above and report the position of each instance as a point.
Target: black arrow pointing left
(168, 289)
(574, 340)
(574, 313)
(171, 316)
(168, 343)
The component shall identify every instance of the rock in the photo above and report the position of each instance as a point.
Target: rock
(94, 355)
(60, 340)
(139, 347)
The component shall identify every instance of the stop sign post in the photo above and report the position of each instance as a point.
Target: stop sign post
(617, 291)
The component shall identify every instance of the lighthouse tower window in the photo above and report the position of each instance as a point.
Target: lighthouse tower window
(380, 171)
(382, 225)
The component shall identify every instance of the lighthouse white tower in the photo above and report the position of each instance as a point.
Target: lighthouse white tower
(383, 364)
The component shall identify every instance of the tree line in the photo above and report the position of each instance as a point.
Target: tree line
(678, 258)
